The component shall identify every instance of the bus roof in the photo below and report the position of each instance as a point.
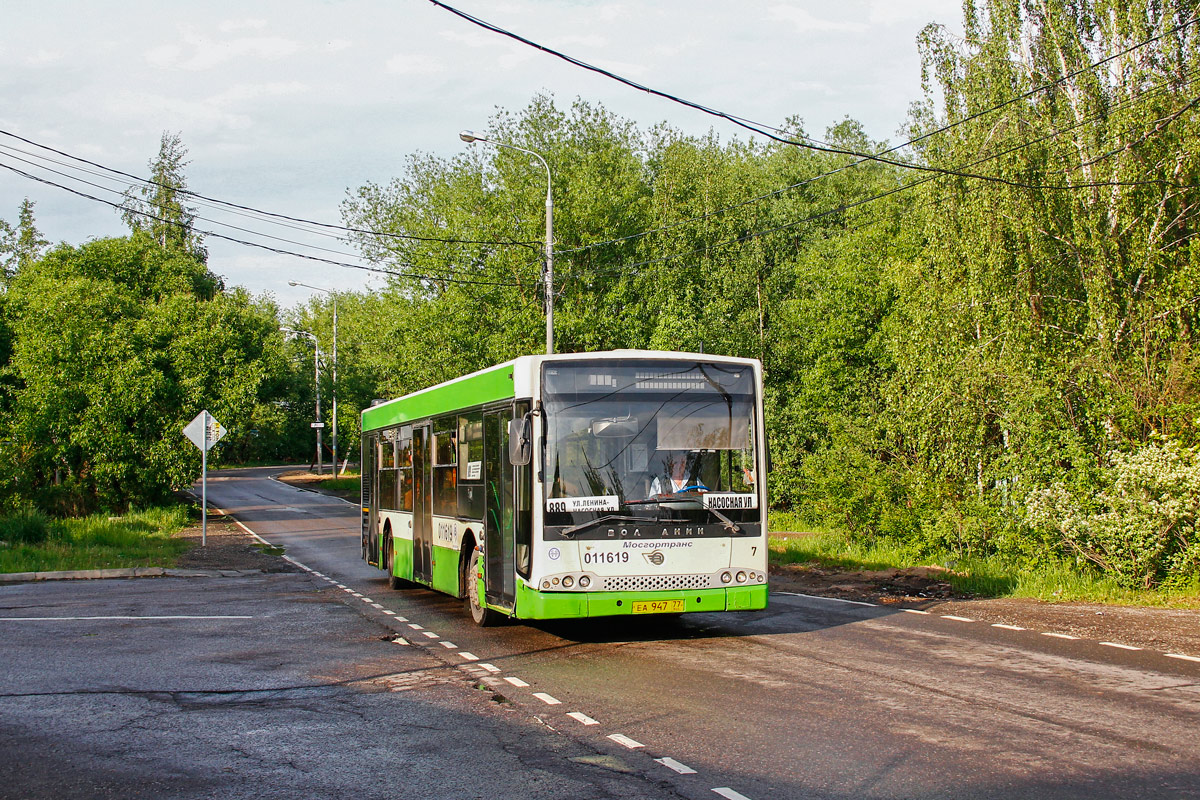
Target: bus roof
(500, 383)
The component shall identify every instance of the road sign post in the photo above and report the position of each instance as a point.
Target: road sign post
(204, 431)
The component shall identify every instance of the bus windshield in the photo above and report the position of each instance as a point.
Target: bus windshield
(631, 435)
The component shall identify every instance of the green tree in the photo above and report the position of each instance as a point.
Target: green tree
(159, 207)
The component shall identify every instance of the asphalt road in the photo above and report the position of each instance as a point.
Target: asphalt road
(810, 698)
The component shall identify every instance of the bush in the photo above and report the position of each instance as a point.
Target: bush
(1141, 527)
(28, 526)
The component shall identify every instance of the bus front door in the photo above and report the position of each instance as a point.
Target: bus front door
(498, 511)
(422, 505)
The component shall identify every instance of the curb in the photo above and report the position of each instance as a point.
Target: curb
(125, 572)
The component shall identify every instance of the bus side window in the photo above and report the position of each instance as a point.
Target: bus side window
(470, 465)
(445, 466)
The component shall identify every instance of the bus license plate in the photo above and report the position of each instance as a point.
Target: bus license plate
(658, 607)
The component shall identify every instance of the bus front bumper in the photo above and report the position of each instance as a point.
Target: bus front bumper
(533, 604)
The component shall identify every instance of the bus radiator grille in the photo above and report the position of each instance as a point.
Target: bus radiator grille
(650, 582)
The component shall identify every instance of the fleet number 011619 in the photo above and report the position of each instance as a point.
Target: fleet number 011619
(606, 558)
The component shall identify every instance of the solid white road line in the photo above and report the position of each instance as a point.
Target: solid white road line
(150, 617)
(833, 599)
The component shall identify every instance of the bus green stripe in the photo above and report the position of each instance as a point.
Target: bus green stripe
(484, 387)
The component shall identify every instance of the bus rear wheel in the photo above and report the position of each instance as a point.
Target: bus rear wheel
(481, 614)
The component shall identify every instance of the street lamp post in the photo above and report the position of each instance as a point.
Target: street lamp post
(470, 137)
(334, 413)
(316, 388)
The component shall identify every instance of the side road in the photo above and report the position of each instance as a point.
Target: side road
(259, 686)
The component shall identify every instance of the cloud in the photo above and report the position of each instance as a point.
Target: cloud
(203, 53)
(234, 25)
(889, 12)
(807, 23)
(412, 64)
(44, 57)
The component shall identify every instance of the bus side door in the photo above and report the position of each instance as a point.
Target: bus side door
(422, 504)
(499, 567)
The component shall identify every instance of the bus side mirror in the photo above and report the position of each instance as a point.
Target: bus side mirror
(520, 441)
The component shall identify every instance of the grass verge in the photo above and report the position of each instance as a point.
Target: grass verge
(33, 542)
(1054, 582)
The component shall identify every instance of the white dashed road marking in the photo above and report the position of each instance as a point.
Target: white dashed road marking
(670, 763)
(730, 794)
(584, 718)
(468, 656)
(516, 681)
(1122, 646)
(490, 667)
(448, 645)
(547, 699)
(1060, 635)
(1007, 627)
(1178, 655)
(957, 619)
(622, 739)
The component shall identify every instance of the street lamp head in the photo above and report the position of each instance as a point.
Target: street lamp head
(470, 136)
(293, 283)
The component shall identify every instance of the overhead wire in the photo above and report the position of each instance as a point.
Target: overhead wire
(271, 214)
(741, 122)
(894, 190)
(258, 245)
(943, 129)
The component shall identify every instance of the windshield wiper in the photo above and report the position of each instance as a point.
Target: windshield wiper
(729, 525)
(574, 529)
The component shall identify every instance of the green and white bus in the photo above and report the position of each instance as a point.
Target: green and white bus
(574, 485)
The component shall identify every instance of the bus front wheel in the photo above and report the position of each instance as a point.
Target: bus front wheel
(481, 614)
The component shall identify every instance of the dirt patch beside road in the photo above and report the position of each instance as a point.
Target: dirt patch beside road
(924, 589)
(303, 479)
(230, 547)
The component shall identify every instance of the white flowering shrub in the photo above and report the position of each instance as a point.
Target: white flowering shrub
(1141, 527)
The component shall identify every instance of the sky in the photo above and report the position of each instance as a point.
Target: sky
(287, 106)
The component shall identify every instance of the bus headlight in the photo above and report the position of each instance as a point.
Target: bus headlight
(584, 581)
(568, 582)
(726, 577)
(741, 577)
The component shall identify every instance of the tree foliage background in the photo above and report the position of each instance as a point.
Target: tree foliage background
(982, 343)
(955, 340)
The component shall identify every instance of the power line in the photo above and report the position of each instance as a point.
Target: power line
(740, 121)
(845, 206)
(945, 128)
(272, 214)
(268, 248)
